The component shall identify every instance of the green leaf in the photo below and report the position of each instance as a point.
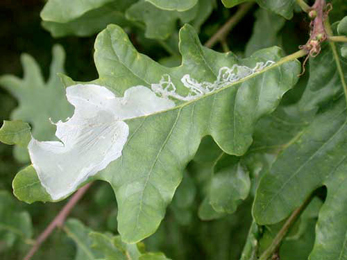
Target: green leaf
(284, 8)
(344, 51)
(323, 84)
(342, 30)
(265, 21)
(342, 26)
(80, 235)
(205, 8)
(93, 245)
(27, 186)
(56, 10)
(229, 186)
(281, 7)
(15, 224)
(83, 18)
(174, 5)
(15, 132)
(307, 164)
(153, 256)
(315, 159)
(207, 212)
(331, 226)
(39, 101)
(159, 24)
(112, 247)
(153, 158)
(232, 3)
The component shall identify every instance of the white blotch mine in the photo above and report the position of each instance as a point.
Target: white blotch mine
(225, 77)
(96, 133)
(92, 138)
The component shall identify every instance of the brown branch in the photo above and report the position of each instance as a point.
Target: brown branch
(229, 25)
(318, 13)
(58, 221)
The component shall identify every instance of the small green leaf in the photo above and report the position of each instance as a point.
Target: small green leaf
(344, 51)
(153, 256)
(39, 101)
(83, 18)
(80, 235)
(284, 8)
(159, 24)
(174, 5)
(323, 84)
(207, 212)
(112, 247)
(232, 3)
(205, 8)
(342, 30)
(265, 21)
(14, 223)
(331, 231)
(56, 10)
(342, 27)
(27, 186)
(281, 7)
(93, 245)
(229, 186)
(15, 132)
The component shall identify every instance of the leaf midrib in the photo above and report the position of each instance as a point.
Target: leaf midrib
(14, 133)
(154, 163)
(286, 59)
(336, 58)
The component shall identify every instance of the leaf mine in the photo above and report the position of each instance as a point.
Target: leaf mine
(92, 138)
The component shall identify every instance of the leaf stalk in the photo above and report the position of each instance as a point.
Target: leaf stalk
(337, 38)
(305, 7)
(336, 56)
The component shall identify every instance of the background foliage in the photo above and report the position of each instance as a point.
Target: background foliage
(210, 216)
